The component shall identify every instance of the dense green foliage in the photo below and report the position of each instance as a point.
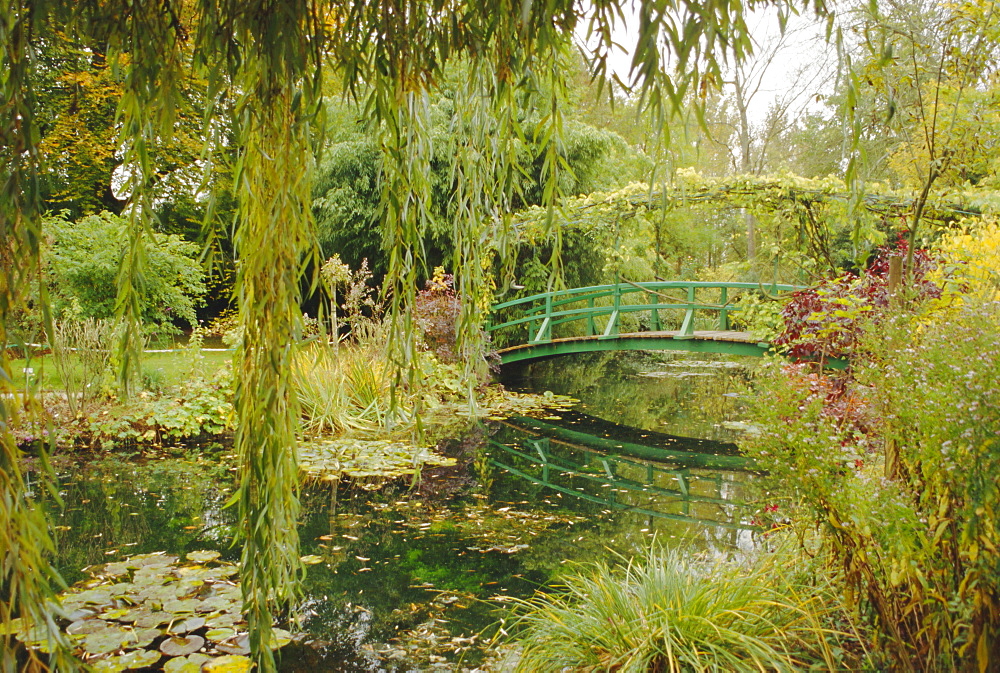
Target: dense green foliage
(896, 465)
(82, 260)
(347, 189)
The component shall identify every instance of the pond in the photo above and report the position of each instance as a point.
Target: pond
(417, 576)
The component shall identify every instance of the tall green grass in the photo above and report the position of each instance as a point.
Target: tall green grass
(341, 389)
(667, 612)
(353, 387)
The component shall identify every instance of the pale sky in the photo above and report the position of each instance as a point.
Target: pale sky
(802, 49)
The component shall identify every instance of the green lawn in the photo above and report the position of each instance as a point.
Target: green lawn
(162, 370)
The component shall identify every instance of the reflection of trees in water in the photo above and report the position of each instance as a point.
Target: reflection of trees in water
(682, 393)
(608, 533)
(115, 509)
(626, 501)
(393, 553)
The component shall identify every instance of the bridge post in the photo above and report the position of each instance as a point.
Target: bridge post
(541, 447)
(544, 333)
(723, 324)
(687, 327)
(591, 326)
(654, 315)
(612, 328)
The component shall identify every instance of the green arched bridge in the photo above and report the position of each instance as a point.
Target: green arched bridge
(659, 315)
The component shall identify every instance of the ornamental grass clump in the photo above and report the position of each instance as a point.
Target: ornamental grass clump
(669, 612)
(342, 390)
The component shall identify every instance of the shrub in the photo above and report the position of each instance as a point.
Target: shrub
(436, 310)
(199, 410)
(828, 319)
(898, 468)
(83, 259)
(758, 315)
(975, 255)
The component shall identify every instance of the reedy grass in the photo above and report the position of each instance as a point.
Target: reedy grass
(667, 612)
(325, 397)
(350, 389)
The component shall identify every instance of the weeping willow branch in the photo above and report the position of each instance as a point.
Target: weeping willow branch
(26, 575)
(147, 114)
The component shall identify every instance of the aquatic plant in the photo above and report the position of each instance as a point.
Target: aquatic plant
(671, 612)
(152, 610)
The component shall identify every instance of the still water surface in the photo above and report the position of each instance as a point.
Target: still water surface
(415, 577)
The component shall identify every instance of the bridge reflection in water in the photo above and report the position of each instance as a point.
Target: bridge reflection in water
(696, 481)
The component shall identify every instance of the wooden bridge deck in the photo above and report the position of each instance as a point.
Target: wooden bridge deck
(565, 344)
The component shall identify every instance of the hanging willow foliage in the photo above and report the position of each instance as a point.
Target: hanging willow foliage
(265, 57)
(26, 575)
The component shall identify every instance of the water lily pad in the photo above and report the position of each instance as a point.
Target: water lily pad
(219, 635)
(134, 614)
(365, 458)
(154, 559)
(311, 559)
(181, 605)
(215, 604)
(187, 625)
(225, 571)
(153, 619)
(202, 556)
(280, 638)
(222, 620)
(181, 646)
(37, 637)
(142, 637)
(93, 597)
(104, 642)
(152, 577)
(110, 665)
(114, 614)
(227, 664)
(83, 627)
(81, 613)
(127, 661)
(117, 569)
(189, 664)
(239, 646)
(158, 594)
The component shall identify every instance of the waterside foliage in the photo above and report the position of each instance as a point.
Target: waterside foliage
(895, 465)
(671, 612)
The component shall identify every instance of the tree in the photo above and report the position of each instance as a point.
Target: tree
(82, 262)
(929, 67)
(266, 56)
(346, 201)
(750, 80)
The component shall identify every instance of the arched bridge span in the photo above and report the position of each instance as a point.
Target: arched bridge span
(659, 315)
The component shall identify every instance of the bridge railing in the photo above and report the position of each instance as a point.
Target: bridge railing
(540, 314)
